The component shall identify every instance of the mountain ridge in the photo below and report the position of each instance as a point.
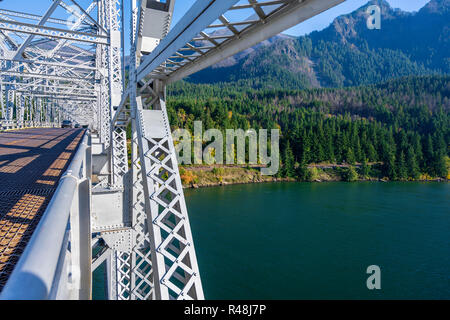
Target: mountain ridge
(346, 53)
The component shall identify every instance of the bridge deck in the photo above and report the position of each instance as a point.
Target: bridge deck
(31, 163)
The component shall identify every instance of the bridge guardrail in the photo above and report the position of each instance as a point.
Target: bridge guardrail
(7, 125)
(56, 263)
(13, 124)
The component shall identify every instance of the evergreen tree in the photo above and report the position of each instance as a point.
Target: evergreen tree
(306, 148)
(417, 145)
(329, 151)
(413, 167)
(350, 174)
(289, 162)
(350, 158)
(358, 151)
(402, 170)
(439, 165)
(429, 154)
(364, 168)
(302, 171)
(371, 154)
(388, 158)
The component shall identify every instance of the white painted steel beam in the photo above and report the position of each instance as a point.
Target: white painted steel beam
(45, 31)
(193, 44)
(292, 15)
(199, 16)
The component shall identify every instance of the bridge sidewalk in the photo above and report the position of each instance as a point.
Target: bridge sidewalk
(31, 164)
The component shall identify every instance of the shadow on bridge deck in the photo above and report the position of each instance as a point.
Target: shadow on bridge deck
(31, 163)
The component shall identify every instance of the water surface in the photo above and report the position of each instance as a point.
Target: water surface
(316, 240)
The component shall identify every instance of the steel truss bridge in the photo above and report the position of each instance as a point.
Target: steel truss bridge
(73, 200)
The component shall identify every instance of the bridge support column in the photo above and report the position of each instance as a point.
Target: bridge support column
(140, 212)
(20, 110)
(2, 102)
(10, 104)
(173, 260)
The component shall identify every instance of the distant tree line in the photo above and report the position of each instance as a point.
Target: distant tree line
(401, 125)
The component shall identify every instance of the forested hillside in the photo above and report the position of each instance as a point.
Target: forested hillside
(370, 103)
(346, 53)
(398, 129)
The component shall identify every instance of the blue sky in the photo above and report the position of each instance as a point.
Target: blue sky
(181, 6)
(323, 20)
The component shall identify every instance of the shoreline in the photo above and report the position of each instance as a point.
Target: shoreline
(201, 176)
(202, 186)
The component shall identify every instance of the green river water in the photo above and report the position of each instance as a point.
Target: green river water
(316, 240)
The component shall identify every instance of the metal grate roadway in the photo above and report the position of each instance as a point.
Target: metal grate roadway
(31, 163)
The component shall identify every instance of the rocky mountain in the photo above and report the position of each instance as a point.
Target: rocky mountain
(346, 53)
